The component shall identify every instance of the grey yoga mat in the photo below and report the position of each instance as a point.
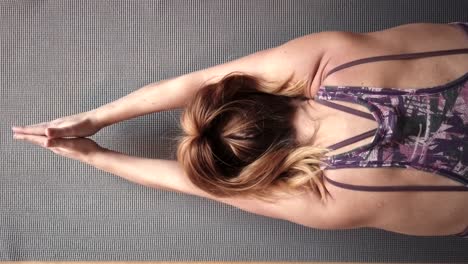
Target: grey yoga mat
(64, 57)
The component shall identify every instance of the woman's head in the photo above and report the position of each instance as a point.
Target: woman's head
(239, 139)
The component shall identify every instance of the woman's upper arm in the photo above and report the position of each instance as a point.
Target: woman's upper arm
(306, 209)
(299, 58)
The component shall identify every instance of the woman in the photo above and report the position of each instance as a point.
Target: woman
(277, 134)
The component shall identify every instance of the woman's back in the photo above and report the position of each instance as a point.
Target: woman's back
(444, 213)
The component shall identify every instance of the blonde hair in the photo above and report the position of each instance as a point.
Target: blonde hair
(239, 139)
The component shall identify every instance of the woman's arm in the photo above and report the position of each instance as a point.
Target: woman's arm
(168, 175)
(176, 92)
(154, 173)
(154, 97)
(299, 58)
(306, 209)
(163, 174)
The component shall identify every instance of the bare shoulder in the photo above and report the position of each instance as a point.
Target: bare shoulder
(408, 38)
(366, 209)
(303, 57)
(299, 59)
(398, 211)
(399, 39)
(308, 56)
(305, 209)
(420, 37)
(414, 37)
(418, 29)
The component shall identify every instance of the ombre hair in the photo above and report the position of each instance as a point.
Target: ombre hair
(239, 139)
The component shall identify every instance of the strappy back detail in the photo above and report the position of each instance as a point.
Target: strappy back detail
(397, 112)
(398, 188)
(423, 129)
(346, 109)
(374, 59)
(406, 56)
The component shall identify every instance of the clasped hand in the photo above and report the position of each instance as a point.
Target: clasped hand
(54, 136)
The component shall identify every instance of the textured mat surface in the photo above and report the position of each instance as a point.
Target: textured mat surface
(63, 57)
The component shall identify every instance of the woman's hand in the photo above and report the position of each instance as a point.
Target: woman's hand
(79, 125)
(81, 149)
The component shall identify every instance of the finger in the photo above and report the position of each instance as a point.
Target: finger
(39, 140)
(51, 143)
(53, 132)
(38, 129)
(56, 142)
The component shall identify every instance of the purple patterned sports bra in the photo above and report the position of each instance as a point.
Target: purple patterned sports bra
(424, 129)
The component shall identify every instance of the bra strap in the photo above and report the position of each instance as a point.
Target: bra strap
(442, 188)
(464, 233)
(405, 56)
(462, 25)
(351, 111)
(353, 139)
(345, 109)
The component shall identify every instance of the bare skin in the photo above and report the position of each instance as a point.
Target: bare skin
(444, 213)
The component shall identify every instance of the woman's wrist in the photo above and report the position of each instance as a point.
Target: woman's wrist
(93, 158)
(99, 117)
